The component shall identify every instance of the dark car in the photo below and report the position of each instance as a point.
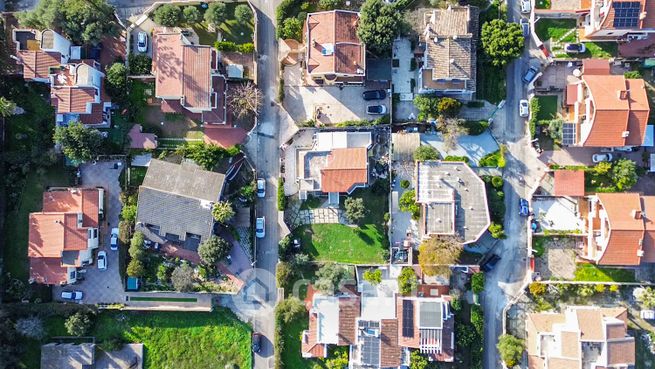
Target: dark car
(574, 48)
(256, 342)
(376, 109)
(525, 27)
(530, 75)
(524, 208)
(374, 95)
(490, 264)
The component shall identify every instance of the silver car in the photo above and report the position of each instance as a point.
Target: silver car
(260, 227)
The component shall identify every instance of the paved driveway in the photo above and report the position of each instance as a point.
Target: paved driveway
(102, 286)
(474, 147)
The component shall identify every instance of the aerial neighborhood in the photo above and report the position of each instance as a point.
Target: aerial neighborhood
(327, 184)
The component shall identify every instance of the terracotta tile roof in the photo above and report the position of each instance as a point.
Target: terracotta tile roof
(619, 105)
(72, 99)
(349, 310)
(309, 346)
(562, 363)
(346, 167)
(167, 61)
(570, 345)
(590, 323)
(595, 67)
(613, 331)
(332, 43)
(537, 323)
(140, 140)
(569, 182)
(84, 200)
(196, 70)
(535, 362)
(95, 117)
(389, 349)
(648, 203)
(626, 232)
(571, 94)
(46, 270)
(621, 352)
(36, 64)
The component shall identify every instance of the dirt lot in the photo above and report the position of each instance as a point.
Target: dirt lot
(558, 259)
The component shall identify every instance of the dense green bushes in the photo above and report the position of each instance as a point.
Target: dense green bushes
(281, 198)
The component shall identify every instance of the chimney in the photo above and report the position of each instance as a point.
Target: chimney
(623, 94)
(452, 61)
(636, 214)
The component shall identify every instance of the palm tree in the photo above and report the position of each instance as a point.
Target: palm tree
(7, 107)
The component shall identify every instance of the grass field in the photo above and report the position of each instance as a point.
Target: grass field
(167, 299)
(16, 225)
(231, 29)
(344, 244)
(547, 107)
(491, 84)
(172, 340)
(555, 29)
(593, 273)
(601, 50)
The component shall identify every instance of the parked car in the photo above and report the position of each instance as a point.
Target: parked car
(261, 187)
(597, 158)
(574, 48)
(525, 27)
(102, 260)
(627, 148)
(376, 109)
(72, 295)
(256, 341)
(142, 42)
(374, 95)
(260, 227)
(113, 244)
(490, 264)
(524, 208)
(525, 6)
(530, 74)
(524, 109)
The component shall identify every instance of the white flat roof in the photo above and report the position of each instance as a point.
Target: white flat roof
(376, 308)
(327, 309)
(326, 141)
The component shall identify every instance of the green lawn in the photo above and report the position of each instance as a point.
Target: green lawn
(231, 30)
(291, 356)
(491, 84)
(343, 244)
(16, 225)
(172, 340)
(547, 107)
(555, 29)
(538, 245)
(600, 50)
(164, 299)
(593, 273)
(137, 174)
(542, 4)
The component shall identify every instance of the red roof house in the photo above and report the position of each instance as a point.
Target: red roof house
(569, 182)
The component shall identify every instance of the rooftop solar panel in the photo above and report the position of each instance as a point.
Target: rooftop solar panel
(568, 133)
(408, 318)
(626, 14)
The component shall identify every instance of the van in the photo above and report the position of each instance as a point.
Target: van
(101, 203)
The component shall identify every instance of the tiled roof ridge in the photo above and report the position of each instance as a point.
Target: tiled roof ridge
(173, 193)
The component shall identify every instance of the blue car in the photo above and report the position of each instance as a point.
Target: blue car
(524, 208)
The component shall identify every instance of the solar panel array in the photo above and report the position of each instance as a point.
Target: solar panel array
(408, 318)
(370, 349)
(568, 133)
(626, 14)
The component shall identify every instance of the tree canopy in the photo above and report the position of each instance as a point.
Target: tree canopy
(502, 41)
(182, 278)
(243, 14)
(223, 211)
(245, 100)
(168, 15)
(624, 174)
(407, 203)
(379, 24)
(7, 107)
(354, 209)
(78, 143)
(78, 324)
(510, 349)
(448, 106)
(216, 13)
(213, 250)
(81, 21)
(436, 254)
(428, 107)
(373, 276)
(330, 276)
(407, 281)
(426, 152)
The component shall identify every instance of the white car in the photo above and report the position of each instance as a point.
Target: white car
(113, 244)
(525, 6)
(597, 158)
(72, 295)
(524, 109)
(260, 227)
(261, 187)
(142, 42)
(102, 260)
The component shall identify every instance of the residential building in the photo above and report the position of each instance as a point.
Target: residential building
(337, 162)
(620, 229)
(453, 201)
(379, 325)
(64, 234)
(618, 19)
(175, 203)
(140, 139)
(605, 110)
(558, 202)
(581, 337)
(82, 356)
(187, 77)
(333, 52)
(449, 62)
(76, 84)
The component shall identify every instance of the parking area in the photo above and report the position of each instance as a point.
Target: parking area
(146, 26)
(402, 226)
(102, 286)
(328, 105)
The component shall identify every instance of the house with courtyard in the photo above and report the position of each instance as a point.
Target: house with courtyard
(337, 162)
(333, 52)
(83, 356)
(580, 337)
(618, 19)
(620, 231)
(175, 204)
(379, 325)
(64, 234)
(450, 56)
(76, 84)
(605, 110)
(453, 201)
(558, 203)
(187, 77)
